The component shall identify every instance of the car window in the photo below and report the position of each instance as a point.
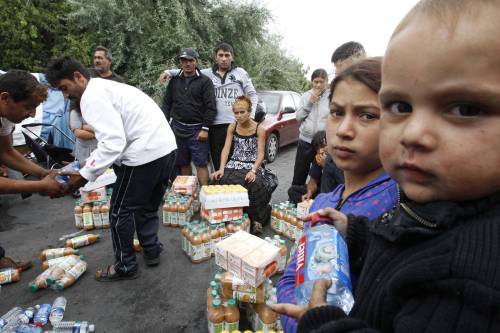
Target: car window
(288, 102)
(271, 102)
(296, 99)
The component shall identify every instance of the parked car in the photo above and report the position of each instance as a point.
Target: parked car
(279, 121)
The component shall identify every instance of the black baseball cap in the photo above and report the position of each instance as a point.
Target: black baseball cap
(188, 53)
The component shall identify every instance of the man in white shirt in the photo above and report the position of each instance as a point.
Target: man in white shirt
(134, 137)
(20, 94)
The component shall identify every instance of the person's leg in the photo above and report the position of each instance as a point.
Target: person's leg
(202, 172)
(199, 151)
(183, 157)
(154, 177)
(186, 170)
(295, 193)
(303, 158)
(217, 138)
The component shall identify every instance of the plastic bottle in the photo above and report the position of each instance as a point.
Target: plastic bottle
(215, 317)
(70, 167)
(27, 328)
(231, 315)
(96, 215)
(42, 315)
(78, 215)
(211, 296)
(105, 215)
(9, 275)
(321, 246)
(9, 316)
(234, 287)
(206, 244)
(40, 282)
(74, 326)
(283, 253)
(62, 268)
(181, 212)
(56, 261)
(88, 223)
(184, 235)
(57, 311)
(222, 232)
(174, 214)
(59, 252)
(265, 318)
(71, 276)
(166, 212)
(214, 239)
(274, 218)
(83, 240)
(196, 246)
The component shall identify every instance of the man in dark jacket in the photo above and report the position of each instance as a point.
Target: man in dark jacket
(190, 107)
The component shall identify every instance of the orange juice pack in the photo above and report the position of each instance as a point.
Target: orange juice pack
(218, 215)
(248, 257)
(184, 185)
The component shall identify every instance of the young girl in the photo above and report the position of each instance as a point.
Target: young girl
(246, 140)
(312, 116)
(352, 135)
(85, 137)
(432, 265)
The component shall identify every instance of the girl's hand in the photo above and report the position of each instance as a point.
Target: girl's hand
(250, 177)
(339, 219)
(217, 175)
(318, 298)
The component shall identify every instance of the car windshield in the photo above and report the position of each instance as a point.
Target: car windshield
(271, 101)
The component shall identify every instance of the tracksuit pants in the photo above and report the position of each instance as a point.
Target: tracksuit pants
(137, 194)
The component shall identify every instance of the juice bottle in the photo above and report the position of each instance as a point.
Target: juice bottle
(215, 317)
(206, 243)
(189, 211)
(88, 224)
(283, 253)
(281, 219)
(96, 215)
(196, 248)
(71, 276)
(189, 240)
(9, 275)
(211, 296)
(56, 261)
(184, 232)
(40, 282)
(105, 215)
(234, 287)
(78, 215)
(231, 315)
(274, 219)
(246, 222)
(229, 229)
(166, 212)
(62, 268)
(265, 318)
(214, 239)
(137, 245)
(222, 232)
(174, 213)
(82, 240)
(59, 252)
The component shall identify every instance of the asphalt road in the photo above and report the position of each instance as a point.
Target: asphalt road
(167, 298)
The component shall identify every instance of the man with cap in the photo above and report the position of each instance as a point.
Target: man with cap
(102, 65)
(190, 107)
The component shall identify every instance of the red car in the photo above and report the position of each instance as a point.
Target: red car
(280, 123)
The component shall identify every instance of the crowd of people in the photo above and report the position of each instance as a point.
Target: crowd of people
(400, 152)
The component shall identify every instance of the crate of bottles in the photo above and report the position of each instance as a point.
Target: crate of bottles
(218, 215)
(223, 196)
(185, 185)
(93, 215)
(177, 210)
(284, 220)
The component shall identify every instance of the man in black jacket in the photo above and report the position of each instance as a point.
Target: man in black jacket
(190, 108)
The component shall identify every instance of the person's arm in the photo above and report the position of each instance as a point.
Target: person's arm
(83, 134)
(261, 146)
(168, 100)
(312, 187)
(47, 185)
(88, 128)
(167, 74)
(225, 152)
(13, 159)
(304, 108)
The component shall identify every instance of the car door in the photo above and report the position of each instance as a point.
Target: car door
(289, 130)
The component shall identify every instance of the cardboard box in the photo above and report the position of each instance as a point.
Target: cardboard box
(248, 257)
(223, 196)
(107, 178)
(219, 215)
(303, 208)
(98, 194)
(184, 185)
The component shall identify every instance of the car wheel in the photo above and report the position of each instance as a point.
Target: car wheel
(272, 146)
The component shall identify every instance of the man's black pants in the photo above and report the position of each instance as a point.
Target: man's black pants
(303, 158)
(137, 194)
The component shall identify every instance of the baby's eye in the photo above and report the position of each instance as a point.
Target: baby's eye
(400, 107)
(466, 110)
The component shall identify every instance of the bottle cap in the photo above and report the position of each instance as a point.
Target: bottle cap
(50, 280)
(33, 287)
(60, 286)
(231, 302)
(216, 303)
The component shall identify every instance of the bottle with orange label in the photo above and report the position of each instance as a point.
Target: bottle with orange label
(83, 240)
(58, 252)
(174, 213)
(264, 318)
(166, 212)
(215, 317)
(214, 238)
(88, 223)
(234, 287)
(96, 215)
(70, 277)
(9, 275)
(231, 315)
(55, 261)
(78, 211)
(196, 248)
(105, 215)
(206, 243)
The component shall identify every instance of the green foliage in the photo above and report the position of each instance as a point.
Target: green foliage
(145, 37)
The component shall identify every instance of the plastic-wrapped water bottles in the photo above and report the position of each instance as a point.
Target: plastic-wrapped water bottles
(11, 315)
(57, 311)
(42, 315)
(27, 328)
(73, 326)
(322, 253)
(70, 167)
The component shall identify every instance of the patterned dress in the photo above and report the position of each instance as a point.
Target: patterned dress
(242, 159)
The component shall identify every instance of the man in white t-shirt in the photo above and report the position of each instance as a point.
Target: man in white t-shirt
(20, 94)
(134, 137)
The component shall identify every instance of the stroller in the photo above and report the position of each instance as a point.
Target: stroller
(45, 153)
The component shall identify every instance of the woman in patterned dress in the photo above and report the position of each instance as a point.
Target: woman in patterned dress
(241, 161)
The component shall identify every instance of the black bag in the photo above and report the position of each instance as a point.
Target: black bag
(270, 179)
(184, 131)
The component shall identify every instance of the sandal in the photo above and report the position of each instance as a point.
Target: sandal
(21, 266)
(110, 275)
(257, 228)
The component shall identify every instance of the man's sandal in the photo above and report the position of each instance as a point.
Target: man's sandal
(110, 275)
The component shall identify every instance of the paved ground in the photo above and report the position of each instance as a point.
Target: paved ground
(167, 298)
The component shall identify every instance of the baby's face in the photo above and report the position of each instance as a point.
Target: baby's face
(440, 99)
